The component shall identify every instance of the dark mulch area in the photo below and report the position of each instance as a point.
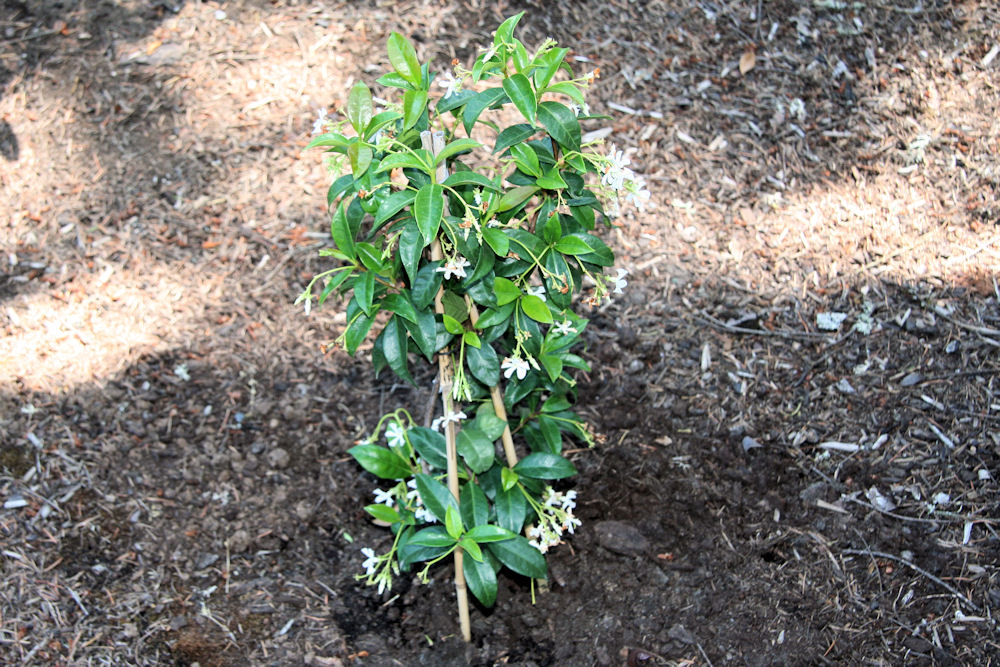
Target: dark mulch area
(764, 492)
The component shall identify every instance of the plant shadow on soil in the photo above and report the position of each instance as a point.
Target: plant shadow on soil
(232, 499)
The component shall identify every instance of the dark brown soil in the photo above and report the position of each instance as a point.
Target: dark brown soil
(173, 433)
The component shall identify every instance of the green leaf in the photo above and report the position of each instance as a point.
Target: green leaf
(471, 548)
(426, 284)
(435, 496)
(512, 509)
(472, 340)
(535, 308)
(403, 57)
(548, 64)
(370, 257)
(339, 187)
(552, 230)
(475, 448)
(551, 180)
(379, 121)
(497, 241)
(333, 140)
(435, 536)
(561, 124)
(476, 105)
(526, 159)
(430, 445)
(360, 157)
(555, 404)
(423, 332)
(488, 533)
(453, 522)
(571, 90)
(508, 478)
(452, 325)
(357, 330)
(512, 135)
(572, 245)
(469, 178)
(393, 80)
(333, 283)
(359, 108)
(454, 148)
(474, 505)
(505, 32)
(494, 316)
(400, 305)
(455, 101)
(481, 580)
(419, 159)
(394, 347)
(483, 363)
(383, 513)
(542, 465)
(520, 557)
(393, 204)
(340, 230)
(414, 103)
(488, 422)
(516, 196)
(428, 206)
(411, 246)
(552, 364)
(364, 290)
(380, 461)
(518, 89)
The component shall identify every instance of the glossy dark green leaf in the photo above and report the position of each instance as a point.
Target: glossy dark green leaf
(454, 148)
(428, 206)
(516, 196)
(552, 230)
(434, 536)
(572, 245)
(481, 580)
(551, 180)
(571, 90)
(460, 178)
(476, 105)
(505, 32)
(371, 257)
(494, 316)
(453, 522)
(474, 505)
(435, 496)
(380, 461)
(340, 230)
(425, 286)
(411, 246)
(520, 557)
(484, 364)
(414, 104)
(360, 157)
(379, 121)
(400, 305)
(548, 64)
(488, 533)
(393, 204)
(561, 124)
(423, 331)
(364, 291)
(394, 347)
(359, 108)
(333, 140)
(393, 80)
(430, 445)
(455, 101)
(488, 422)
(542, 465)
(518, 89)
(513, 135)
(526, 160)
(403, 57)
(511, 508)
(475, 448)
(552, 364)
(383, 513)
(333, 283)
(497, 241)
(419, 159)
(339, 187)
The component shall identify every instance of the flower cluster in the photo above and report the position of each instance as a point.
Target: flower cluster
(555, 517)
(619, 178)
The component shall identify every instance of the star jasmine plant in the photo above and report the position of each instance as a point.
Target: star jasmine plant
(465, 243)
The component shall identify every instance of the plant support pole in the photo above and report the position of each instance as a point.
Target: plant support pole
(435, 143)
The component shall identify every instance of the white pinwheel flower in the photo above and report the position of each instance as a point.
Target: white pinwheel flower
(371, 561)
(454, 268)
(384, 497)
(320, 122)
(395, 435)
(451, 417)
(537, 290)
(512, 365)
(450, 84)
(564, 328)
(620, 281)
(617, 172)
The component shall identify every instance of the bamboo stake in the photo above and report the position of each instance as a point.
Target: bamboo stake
(435, 143)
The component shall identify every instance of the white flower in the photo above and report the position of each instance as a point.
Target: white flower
(384, 497)
(450, 83)
(421, 514)
(451, 417)
(578, 110)
(454, 267)
(371, 561)
(568, 501)
(512, 365)
(617, 172)
(571, 523)
(489, 53)
(565, 328)
(395, 435)
(537, 290)
(636, 193)
(319, 122)
(620, 281)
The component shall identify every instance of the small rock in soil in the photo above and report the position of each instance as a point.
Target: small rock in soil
(239, 541)
(205, 560)
(621, 538)
(681, 634)
(278, 458)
